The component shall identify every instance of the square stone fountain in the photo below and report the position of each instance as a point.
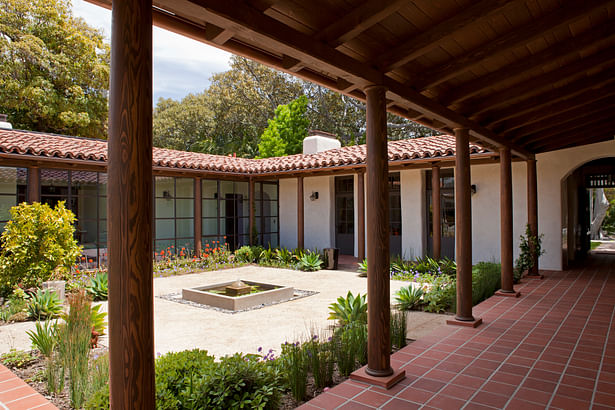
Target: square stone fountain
(237, 295)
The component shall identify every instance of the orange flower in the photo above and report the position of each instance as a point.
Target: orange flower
(183, 249)
(90, 260)
(207, 245)
(181, 253)
(162, 253)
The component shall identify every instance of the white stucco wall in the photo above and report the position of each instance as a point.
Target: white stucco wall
(412, 213)
(288, 212)
(552, 168)
(319, 225)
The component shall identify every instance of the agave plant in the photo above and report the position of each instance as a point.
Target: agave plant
(349, 309)
(363, 268)
(408, 298)
(99, 286)
(97, 319)
(310, 261)
(44, 305)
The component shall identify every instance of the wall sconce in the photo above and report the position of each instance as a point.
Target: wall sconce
(473, 189)
(314, 196)
(166, 195)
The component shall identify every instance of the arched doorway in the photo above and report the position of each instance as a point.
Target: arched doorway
(577, 192)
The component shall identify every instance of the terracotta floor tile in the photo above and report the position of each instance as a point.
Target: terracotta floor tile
(353, 405)
(459, 392)
(397, 404)
(415, 395)
(477, 406)
(467, 381)
(541, 385)
(15, 393)
(371, 398)
(440, 375)
(532, 395)
(441, 401)
(605, 399)
(428, 384)
(499, 388)
(514, 379)
(517, 404)
(346, 390)
(569, 403)
(328, 401)
(490, 399)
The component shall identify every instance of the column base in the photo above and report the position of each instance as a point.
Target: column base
(387, 382)
(513, 294)
(465, 323)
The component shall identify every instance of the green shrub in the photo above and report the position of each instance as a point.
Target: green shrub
(350, 309)
(409, 297)
(99, 400)
(244, 254)
(99, 286)
(363, 268)
(175, 372)
(441, 296)
(530, 245)
(43, 305)
(284, 257)
(98, 377)
(238, 381)
(16, 304)
(38, 243)
(486, 279)
(98, 319)
(44, 338)
(320, 357)
(310, 261)
(398, 328)
(16, 359)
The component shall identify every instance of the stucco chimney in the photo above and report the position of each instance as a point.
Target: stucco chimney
(4, 124)
(319, 141)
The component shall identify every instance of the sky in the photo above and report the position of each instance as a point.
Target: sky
(181, 65)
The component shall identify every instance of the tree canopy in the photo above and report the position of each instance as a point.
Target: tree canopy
(285, 133)
(235, 113)
(54, 69)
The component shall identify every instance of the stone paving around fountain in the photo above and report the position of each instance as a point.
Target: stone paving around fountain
(180, 326)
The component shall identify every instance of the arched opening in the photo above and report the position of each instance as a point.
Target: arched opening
(579, 191)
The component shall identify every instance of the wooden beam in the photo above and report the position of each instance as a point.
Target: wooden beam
(520, 36)
(300, 213)
(569, 127)
(361, 215)
(542, 82)
(510, 72)
(417, 45)
(463, 226)
(569, 104)
(532, 207)
(291, 64)
(217, 35)
(361, 18)
(506, 222)
(130, 208)
(378, 236)
(251, 212)
(561, 121)
(436, 211)
(549, 98)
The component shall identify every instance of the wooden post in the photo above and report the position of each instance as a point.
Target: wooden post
(198, 220)
(361, 216)
(435, 206)
(251, 199)
(130, 208)
(378, 285)
(300, 213)
(463, 229)
(506, 222)
(532, 208)
(34, 185)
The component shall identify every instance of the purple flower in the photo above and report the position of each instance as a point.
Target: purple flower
(260, 349)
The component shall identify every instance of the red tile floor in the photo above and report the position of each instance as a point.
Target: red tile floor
(15, 394)
(554, 347)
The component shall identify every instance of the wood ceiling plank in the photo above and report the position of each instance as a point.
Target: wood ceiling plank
(358, 20)
(582, 139)
(413, 47)
(587, 97)
(540, 101)
(517, 37)
(536, 85)
(604, 119)
(509, 73)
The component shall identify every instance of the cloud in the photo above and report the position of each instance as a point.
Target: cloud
(181, 65)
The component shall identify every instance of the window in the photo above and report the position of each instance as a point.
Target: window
(174, 214)
(266, 213)
(225, 213)
(12, 191)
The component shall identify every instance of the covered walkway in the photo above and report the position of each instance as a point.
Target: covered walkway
(552, 347)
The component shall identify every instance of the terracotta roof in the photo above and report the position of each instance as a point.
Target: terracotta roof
(60, 146)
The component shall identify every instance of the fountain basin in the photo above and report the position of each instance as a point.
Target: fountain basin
(269, 294)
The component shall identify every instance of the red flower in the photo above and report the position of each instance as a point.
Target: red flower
(162, 253)
(90, 260)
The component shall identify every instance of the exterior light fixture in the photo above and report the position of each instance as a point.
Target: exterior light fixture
(314, 196)
(473, 189)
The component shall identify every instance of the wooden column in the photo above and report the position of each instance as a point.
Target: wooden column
(251, 222)
(198, 220)
(378, 348)
(130, 208)
(506, 221)
(435, 206)
(34, 185)
(361, 216)
(532, 207)
(463, 228)
(300, 213)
